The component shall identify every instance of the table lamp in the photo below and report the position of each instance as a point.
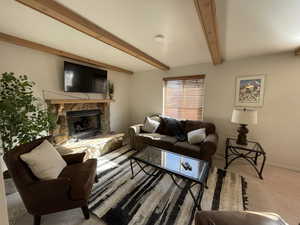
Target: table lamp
(243, 117)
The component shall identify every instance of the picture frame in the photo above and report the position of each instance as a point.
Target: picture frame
(250, 91)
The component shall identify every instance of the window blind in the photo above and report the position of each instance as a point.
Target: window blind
(184, 97)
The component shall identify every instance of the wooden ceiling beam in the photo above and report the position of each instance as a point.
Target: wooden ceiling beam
(70, 18)
(29, 44)
(206, 10)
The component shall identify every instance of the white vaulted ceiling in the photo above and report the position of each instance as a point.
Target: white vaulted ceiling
(258, 27)
(246, 28)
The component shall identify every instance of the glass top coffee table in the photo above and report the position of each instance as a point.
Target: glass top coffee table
(173, 164)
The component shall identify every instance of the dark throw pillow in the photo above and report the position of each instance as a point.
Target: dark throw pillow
(174, 128)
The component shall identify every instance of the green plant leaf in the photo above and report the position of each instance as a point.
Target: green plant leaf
(22, 117)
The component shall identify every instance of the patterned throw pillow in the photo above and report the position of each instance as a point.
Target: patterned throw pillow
(150, 125)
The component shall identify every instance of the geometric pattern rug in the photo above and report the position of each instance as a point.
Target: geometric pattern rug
(145, 200)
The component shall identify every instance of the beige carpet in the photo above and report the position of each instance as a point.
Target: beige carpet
(278, 192)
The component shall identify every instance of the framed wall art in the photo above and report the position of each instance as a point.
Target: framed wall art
(250, 91)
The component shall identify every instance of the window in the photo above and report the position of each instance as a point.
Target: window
(184, 97)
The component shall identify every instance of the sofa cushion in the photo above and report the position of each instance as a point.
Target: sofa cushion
(187, 149)
(158, 140)
(203, 151)
(189, 125)
(82, 176)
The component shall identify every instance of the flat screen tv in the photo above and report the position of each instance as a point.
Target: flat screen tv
(78, 78)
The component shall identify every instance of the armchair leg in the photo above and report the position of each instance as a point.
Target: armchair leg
(85, 211)
(36, 220)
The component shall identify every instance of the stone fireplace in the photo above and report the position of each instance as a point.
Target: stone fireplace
(84, 123)
(80, 118)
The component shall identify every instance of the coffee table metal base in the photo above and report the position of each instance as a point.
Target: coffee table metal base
(197, 200)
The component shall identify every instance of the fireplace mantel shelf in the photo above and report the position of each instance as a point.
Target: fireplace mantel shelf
(75, 101)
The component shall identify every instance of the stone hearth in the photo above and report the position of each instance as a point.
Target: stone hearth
(60, 109)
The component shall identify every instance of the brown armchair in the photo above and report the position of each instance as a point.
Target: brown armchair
(70, 190)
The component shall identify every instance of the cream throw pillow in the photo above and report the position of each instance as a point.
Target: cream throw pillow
(44, 161)
(196, 136)
(150, 125)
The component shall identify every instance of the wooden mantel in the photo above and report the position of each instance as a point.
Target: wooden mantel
(76, 101)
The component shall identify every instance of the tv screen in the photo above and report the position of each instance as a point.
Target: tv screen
(78, 78)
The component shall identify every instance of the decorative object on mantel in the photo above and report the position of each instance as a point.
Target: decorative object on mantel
(111, 89)
(250, 91)
(23, 117)
(243, 117)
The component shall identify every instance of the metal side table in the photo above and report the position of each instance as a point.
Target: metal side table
(250, 153)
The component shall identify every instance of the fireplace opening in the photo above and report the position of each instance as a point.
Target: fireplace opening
(84, 124)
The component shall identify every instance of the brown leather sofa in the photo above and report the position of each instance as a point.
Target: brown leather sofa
(70, 190)
(237, 218)
(164, 139)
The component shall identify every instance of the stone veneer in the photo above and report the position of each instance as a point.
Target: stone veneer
(61, 133)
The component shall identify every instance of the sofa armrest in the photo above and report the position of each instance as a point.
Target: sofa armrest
(213, 138)
(136, 129)
(209, 146)
(133, 131)
(74, 158)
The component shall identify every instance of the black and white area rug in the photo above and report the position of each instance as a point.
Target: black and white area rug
(119, 200)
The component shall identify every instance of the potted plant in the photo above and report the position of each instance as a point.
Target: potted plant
(111, 90)
(23, 117)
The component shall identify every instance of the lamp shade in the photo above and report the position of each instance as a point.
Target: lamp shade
(244, 116)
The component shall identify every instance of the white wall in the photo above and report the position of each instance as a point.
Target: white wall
(278, 129)
(141, 94)
(47, 72)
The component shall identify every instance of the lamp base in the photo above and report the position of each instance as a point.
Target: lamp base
(242, 136)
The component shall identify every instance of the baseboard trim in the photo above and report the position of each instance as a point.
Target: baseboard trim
(283, 166)
(269, 163)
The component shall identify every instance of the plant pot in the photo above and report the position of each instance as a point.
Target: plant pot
(10, 186)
